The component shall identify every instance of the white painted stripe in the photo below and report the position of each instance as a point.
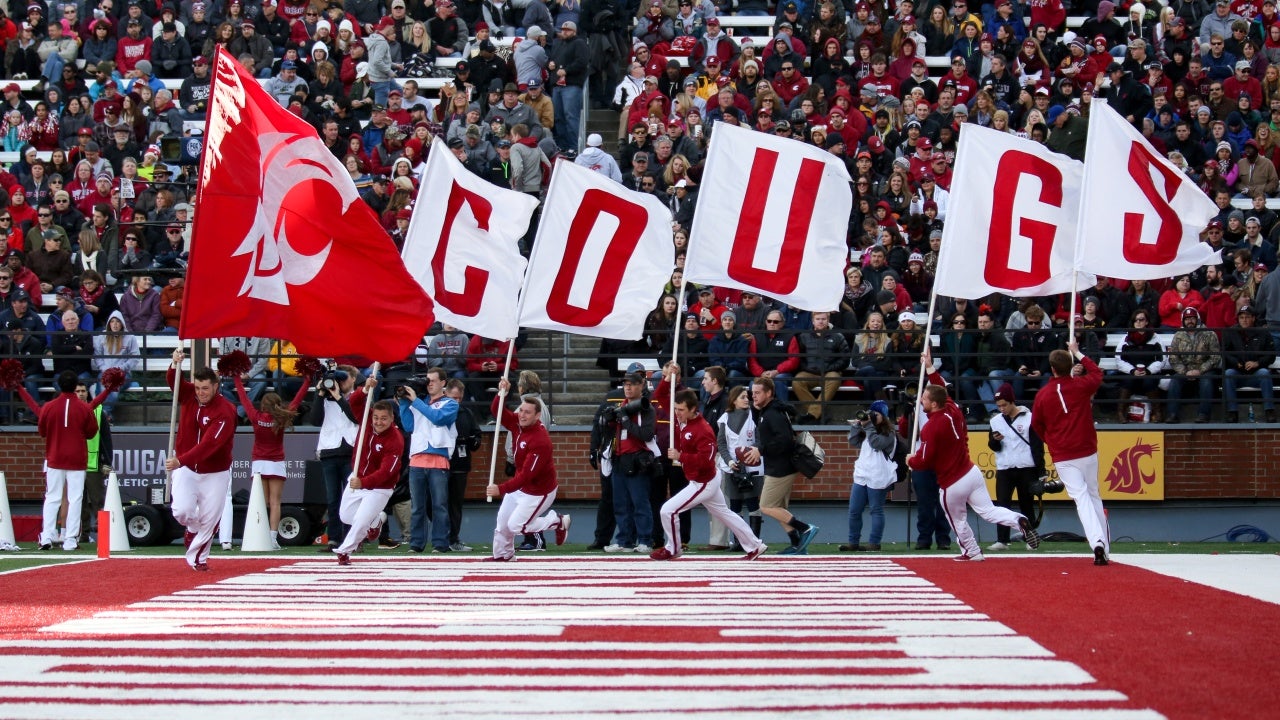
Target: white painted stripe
(1255, 576)
(43, 711)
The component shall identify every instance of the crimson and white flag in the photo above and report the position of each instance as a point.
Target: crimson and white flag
(772, 217)
(463, 246)
(1018, 235)
(1142, 216)
(601, 258)
(282, 246)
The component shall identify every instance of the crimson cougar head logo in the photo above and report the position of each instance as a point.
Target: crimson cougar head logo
(289, 160)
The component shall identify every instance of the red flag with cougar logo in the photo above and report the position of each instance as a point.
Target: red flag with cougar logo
(282, 246)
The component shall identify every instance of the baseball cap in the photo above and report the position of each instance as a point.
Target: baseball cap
(634, 378)
(1247, 309)
(19, 295)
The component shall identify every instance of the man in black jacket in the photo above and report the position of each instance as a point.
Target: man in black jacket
(1247, 354)
(824, 355)
(568, 67)
(460, 462)
(775, 442)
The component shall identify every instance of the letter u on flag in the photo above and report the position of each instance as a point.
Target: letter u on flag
(772, 218)
(1019, 232)
(463, 246)
(1142, 216)
(600, 259)
(282, 246)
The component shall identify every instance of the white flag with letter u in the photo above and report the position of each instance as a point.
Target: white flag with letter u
(1142, 216)
(1018, 236)
(772, 217)
(601, 258)
(463, 246)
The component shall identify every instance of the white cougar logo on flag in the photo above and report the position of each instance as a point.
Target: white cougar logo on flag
(287, 161)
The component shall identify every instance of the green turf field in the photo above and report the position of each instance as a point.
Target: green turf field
(32, 557)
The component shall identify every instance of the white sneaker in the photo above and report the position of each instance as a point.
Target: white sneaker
(70, 545)
(616, 548)
(642, 548)
(997, 546)
(275, 544)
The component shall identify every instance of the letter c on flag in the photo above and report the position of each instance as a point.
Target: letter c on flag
(1012, 166)
(475, 279)
(632, 219)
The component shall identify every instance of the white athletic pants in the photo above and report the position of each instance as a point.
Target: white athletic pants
(360, 509)
(971, 491)
(54, 480)
(197, 504)
(707, 495)
(521, 513)
(1081, 478)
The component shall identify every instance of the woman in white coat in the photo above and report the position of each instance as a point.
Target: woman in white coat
(873, 472)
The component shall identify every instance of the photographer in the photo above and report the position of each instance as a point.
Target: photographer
(335, 445)
(873, 472)
(634, 454)
(433, 436)
(1019, 458)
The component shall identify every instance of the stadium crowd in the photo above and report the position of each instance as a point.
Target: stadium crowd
(97, 210)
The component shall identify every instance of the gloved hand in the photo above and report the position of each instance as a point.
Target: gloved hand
(594, 458)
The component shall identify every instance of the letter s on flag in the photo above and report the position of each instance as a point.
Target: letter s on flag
(1169, 234)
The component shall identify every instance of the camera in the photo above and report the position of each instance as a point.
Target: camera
(402, 392)
(742, 480)
(328, 384)
(862, 416)
(1045, 486)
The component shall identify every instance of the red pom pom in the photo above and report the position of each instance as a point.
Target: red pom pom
(308, 366)
(11, 374)
(234, 363)
(112, 379)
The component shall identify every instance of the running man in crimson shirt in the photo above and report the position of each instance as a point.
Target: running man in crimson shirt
(944, 449)
(1062, 416)
(533, 489)
(200, 468)
(375, 472)
(695, 449)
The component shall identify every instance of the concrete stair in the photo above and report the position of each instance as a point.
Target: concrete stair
(572, 384)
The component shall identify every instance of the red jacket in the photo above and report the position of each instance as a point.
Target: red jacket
(1062, 414)
(480, 350)
(379, 463)
(268, 442)
(535, 468)
(944, 442)
(205, 432)
(66, 424)
(696, 442)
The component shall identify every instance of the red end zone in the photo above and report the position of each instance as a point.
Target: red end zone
(1185, 649)
(1176, 647)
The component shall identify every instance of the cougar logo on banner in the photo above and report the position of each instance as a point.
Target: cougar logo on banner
(276, 263)
(1129, 474)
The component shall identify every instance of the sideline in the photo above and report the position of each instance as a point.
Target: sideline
(1255, 576)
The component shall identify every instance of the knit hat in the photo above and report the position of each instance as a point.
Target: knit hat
(1004, 392)
(881, 407)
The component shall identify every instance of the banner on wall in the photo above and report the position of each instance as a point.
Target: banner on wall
(1130, 465)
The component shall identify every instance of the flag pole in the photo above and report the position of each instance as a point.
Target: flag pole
(675, 352)
(497, 421)
(173, 424)
(364, 421)
(928, 328)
